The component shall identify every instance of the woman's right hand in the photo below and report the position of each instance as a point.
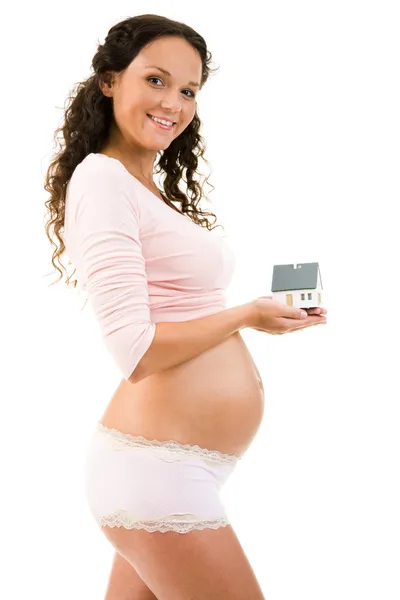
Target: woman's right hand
(277, 318)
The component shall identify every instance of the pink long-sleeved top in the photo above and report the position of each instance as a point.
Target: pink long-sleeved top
(140, 261)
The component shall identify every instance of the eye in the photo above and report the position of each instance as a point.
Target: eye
(192, 93)
(148, 79)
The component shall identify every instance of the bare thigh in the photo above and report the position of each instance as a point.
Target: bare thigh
(124, 583)
(207, 564)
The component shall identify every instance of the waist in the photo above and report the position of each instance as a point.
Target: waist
(173, 308)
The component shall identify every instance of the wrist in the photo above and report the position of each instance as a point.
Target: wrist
(250, 314)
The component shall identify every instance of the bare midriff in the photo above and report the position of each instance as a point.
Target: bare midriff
(215, 400)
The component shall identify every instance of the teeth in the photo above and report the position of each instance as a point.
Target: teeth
(161, 121)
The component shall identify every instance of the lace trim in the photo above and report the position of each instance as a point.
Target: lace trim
(126, 439)
(122, 518)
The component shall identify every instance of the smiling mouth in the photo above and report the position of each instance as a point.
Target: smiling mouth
(161, 124)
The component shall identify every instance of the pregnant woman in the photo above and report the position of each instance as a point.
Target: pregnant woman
(191, 399)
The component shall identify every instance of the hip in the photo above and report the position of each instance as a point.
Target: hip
(136, 483)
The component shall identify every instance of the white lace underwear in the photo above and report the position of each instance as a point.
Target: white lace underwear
(137, 490)
(118, 439)
(123, 518)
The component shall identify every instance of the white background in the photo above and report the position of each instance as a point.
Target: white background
(302, 129)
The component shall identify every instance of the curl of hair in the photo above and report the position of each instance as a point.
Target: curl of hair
(88, 118)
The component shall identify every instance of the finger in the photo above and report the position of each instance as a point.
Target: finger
(296, 324)
(320, 321)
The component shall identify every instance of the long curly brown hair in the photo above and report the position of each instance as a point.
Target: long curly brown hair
(88, 118)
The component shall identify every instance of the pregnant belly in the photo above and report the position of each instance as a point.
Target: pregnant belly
(215, 400)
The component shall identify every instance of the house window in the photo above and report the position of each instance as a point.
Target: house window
(310, 296)
(303, 296)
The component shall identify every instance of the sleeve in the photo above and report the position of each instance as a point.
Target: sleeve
(106, 230)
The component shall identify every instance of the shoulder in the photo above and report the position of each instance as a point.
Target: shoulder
(101, 186)
(96, 170)
(97, 175)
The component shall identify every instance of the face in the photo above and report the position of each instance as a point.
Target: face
(143, 89)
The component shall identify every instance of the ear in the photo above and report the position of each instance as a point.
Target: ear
(106, 84)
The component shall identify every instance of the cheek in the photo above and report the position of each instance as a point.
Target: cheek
(138, 102)
(190, 117)
(189, 114)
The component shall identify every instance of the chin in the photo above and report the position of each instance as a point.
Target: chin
(157, 146)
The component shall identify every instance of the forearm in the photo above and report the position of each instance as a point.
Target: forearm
(177, 342)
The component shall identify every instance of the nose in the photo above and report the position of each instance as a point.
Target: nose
(172, 103)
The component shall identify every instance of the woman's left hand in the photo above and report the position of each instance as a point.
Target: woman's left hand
(319, 310)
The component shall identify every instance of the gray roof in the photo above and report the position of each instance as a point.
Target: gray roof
(304, 277)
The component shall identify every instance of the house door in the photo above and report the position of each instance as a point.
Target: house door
(289, 299)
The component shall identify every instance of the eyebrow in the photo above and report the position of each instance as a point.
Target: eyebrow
(167, 73)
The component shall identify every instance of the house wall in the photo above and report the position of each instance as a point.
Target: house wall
(316, 298)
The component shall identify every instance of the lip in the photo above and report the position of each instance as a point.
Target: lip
(165, 118)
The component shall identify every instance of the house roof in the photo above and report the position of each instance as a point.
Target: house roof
(303, 277)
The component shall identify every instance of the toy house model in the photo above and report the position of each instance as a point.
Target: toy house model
(297, 285)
